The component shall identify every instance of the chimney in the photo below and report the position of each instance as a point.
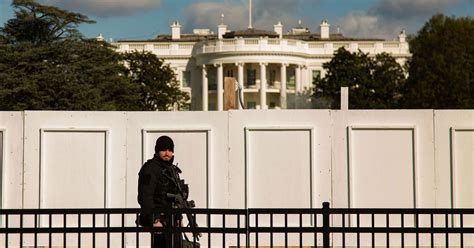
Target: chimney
(278, 28)
(100, 38)
(175, 31)
(402, 37)
(222, 28)
(324, 29)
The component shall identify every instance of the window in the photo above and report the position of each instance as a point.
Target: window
(251, 77)
(316, 74)
(186, 79)
(291, 79)
(272, 77)
(272, 105)
(212, 106)
(229, 73)
(251, 105)
(186, 107)
(211, 77)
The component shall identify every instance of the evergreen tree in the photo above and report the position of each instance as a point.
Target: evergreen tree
(45, 64)
(38, 23)
(65, 75)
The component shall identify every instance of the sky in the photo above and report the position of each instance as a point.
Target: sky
(144, 19)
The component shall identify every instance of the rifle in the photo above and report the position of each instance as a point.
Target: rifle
(181, 197)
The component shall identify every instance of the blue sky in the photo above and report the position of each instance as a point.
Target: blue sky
(144, 19)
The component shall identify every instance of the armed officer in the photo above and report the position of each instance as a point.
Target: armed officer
(157, 179)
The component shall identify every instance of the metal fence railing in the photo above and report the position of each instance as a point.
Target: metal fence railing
(323, 227)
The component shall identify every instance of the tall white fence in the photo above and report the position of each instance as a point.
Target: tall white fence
(243, 159)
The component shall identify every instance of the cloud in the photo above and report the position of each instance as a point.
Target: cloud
(265, 14)
(276, 8)
(411, 8)
(208, 15)
(269, 12)
(105, 8)
(387, 18)
(361, 24)
(384, 19)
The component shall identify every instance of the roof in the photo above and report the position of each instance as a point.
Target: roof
(250, 32)
(332, 37)
(183, 38)
(186, 37)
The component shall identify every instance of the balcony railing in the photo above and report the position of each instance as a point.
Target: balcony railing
(256, 86)
(264, 45)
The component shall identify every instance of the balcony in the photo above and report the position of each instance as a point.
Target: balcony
(272, 87)
(263, 45)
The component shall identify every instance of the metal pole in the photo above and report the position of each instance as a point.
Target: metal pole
(250, 14)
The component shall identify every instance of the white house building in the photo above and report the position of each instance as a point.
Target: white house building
(273, 68)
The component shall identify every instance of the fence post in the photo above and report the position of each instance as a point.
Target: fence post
(326, 234)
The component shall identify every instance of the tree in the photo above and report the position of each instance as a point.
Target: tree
(44, 65)
(441, 71)
(373, 82)
(157, 81)
(38, 23)
(65, 75)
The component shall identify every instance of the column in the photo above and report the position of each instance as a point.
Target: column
(305, 82)
(220, 87)
(283, 101)
(298, 78)
(205, 89)
(179, 75)
(240, 79)
(263, 86)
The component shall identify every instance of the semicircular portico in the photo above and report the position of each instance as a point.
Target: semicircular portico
(265, 78)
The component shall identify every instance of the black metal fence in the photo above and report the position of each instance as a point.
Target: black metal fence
(323, 227)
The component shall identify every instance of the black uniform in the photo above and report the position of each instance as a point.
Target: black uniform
(155, 180)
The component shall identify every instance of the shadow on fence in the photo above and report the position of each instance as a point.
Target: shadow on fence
(319, 227)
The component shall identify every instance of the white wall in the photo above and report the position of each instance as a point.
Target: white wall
(238, 159)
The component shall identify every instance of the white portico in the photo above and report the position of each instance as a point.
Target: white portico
(265, 83)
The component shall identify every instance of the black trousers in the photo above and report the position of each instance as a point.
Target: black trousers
(166, 241)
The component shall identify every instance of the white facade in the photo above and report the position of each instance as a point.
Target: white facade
(271, 67)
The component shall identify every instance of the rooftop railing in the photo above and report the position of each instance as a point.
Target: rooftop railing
(265, 45)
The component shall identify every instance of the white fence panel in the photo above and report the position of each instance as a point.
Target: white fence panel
(382, 159)
(11, 159)
(74, 159)
(279, 159)
(454, 145)
(200, 150)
